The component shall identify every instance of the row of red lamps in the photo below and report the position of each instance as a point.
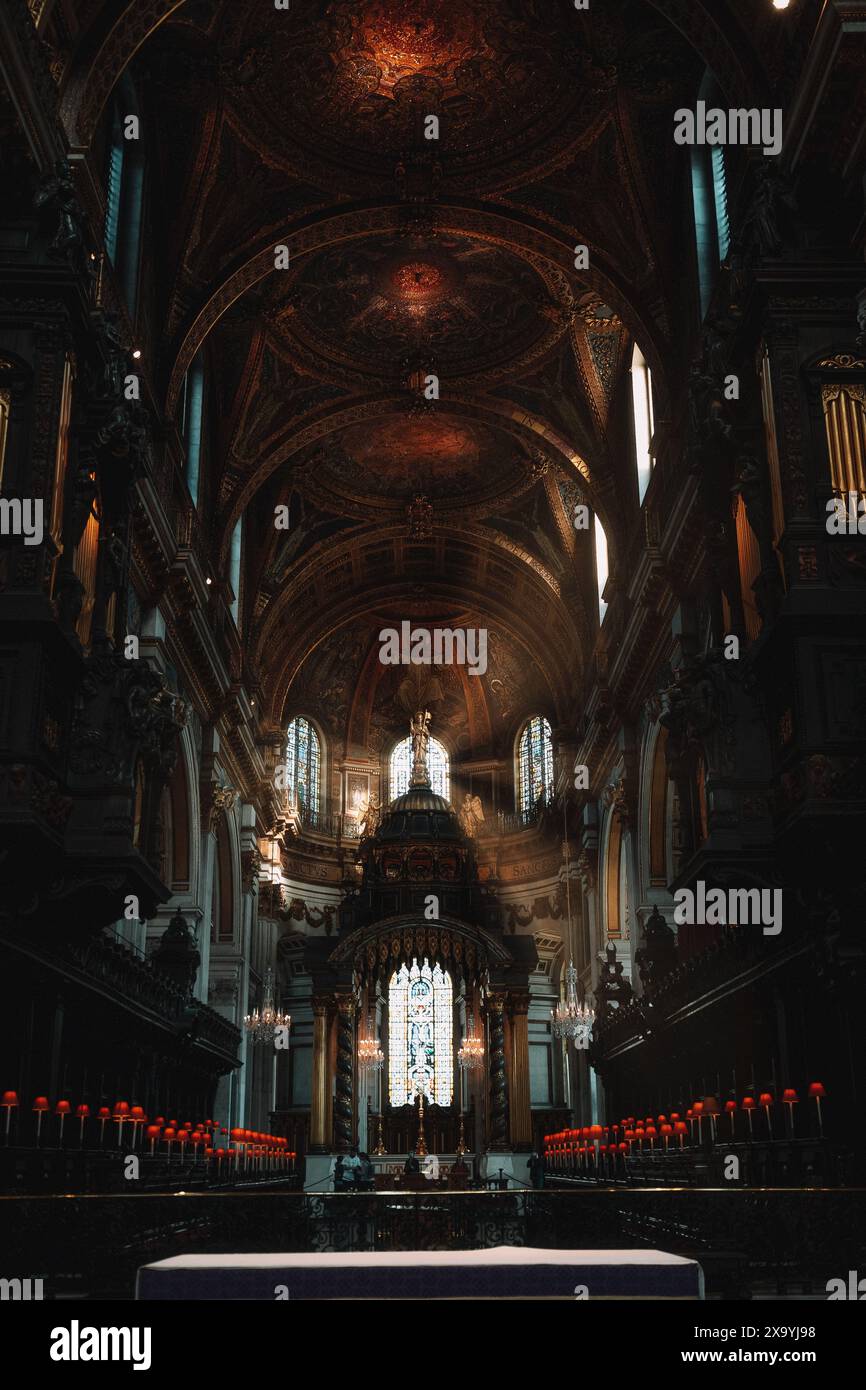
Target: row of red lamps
(254, 1150)
(581, 1147)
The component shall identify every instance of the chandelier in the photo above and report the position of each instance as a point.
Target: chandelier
(572, 1019)
(470, 1054)
(370, 1055)
(263, 1026)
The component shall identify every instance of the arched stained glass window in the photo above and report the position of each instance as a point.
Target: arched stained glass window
(534, 764)
(420, 1035)
(400, 769)
(303, 765)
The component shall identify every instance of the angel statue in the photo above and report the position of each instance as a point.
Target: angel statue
(471, 815)
(371, 816)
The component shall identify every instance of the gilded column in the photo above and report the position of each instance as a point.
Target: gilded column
(344, 1093)
(320, 1116)
(498, 1136)
(519, 1113)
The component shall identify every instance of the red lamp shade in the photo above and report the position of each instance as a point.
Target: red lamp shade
(623, 1148)
(816, 1090)
(10, 1099)
(789, 1096)
(730, 1106)
(41, 1103)
(152, 1131)
(121, 1110)
(749, 1102)
(83, 1112)
(137, 1112)
(62, 1107)
(667, 1129)
(169, 1133)
(595, 1131)
(681, 1127)
(698, 1107)
(103, 1113)
(652, 1132)
(765, 1098)
(675, 1116)
(160, 1120)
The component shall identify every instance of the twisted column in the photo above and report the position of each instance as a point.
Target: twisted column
(498, 1136)
(344, 1096)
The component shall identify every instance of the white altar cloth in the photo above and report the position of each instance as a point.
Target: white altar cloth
(502, 1272)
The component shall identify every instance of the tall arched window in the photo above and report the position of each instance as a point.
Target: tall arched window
(420, 1035)
(644, 423)
(303, 765)
(534, 764)
(235, 569)
(400, 769)
(125, 191)
(710, 202)
(192, 414)
(602, 567)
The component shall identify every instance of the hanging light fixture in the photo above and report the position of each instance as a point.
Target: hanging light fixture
(262, 1026)
(470, 1054)
(571, 1019)
(370, 1055)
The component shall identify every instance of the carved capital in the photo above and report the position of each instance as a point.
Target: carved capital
(217, 799)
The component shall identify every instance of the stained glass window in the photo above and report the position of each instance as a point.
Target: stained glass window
(303, 764)
(437, 762)
(535, 764)
(420, 1035)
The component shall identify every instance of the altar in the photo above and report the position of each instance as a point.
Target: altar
(389, 1174)
(501, 1272)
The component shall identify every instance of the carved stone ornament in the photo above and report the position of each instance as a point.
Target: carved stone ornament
(218, 800)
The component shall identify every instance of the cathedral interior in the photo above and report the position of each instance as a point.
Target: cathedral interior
(432, 643)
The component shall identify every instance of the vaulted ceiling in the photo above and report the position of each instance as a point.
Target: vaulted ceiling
(410, 256)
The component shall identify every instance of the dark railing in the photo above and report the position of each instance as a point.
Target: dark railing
(329, 823)
(733, 952)
(748, 1241)
(347, 828)
(108, 961)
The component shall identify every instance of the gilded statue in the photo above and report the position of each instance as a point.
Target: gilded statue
(471, 815)
(371, 817)
(420, 730)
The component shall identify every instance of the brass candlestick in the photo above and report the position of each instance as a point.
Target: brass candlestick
(380, 1143)
(421, 1146)
(461, 1139)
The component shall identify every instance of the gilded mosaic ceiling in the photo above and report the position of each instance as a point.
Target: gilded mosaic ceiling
(412, 257)
(453, 304)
